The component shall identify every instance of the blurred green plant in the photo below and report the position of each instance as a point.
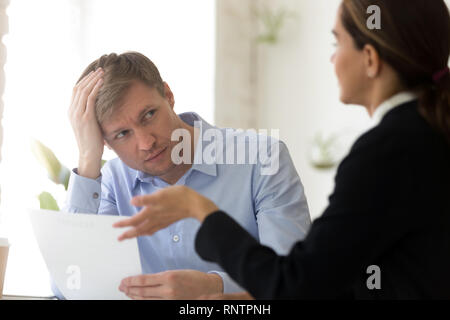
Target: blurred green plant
(57, 172)
(47, 201)
(323, 153)
(272, 22)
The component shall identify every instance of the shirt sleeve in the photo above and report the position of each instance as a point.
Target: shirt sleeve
(86, 195)
(229, 285)
(281, 208)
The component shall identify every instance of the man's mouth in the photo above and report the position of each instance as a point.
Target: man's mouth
(155, 156)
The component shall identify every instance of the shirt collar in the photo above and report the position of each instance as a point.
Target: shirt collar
(192, 119)
(389, 104)
(200, 127)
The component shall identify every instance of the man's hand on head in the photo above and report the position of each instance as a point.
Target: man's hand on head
(84, 124)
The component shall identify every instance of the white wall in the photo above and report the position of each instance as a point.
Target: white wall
(296, 90)
(235, 82)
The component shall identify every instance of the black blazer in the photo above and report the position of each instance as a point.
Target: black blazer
(390, 208)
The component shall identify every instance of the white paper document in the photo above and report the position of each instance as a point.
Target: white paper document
(83, 255)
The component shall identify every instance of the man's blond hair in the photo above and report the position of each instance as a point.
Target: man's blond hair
(119, 73)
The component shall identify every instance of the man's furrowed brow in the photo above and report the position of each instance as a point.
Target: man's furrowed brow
(145, 109)
(110, 135)
(116, 131)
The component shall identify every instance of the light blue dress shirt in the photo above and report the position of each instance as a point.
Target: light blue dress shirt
(272, 208)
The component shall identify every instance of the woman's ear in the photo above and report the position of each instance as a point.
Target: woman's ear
(372, 61)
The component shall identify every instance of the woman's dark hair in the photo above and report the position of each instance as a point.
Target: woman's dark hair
(414, 39)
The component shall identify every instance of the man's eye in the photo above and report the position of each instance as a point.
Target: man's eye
(121, 134)
(149, 114)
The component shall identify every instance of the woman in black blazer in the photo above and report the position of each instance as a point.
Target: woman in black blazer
(386, 231)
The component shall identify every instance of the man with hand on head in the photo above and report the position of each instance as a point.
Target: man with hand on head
(121, 101)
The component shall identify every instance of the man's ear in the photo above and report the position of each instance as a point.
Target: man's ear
(372, 61)
(168, 94)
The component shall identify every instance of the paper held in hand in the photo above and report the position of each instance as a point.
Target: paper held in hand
(83, 256)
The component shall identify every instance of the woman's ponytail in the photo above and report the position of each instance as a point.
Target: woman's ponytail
(434, 102)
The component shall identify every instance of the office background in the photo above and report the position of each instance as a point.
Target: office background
(227, 60)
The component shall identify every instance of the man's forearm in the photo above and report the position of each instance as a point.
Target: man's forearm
(89, 168)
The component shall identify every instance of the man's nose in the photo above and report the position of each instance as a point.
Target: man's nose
(145, 140)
